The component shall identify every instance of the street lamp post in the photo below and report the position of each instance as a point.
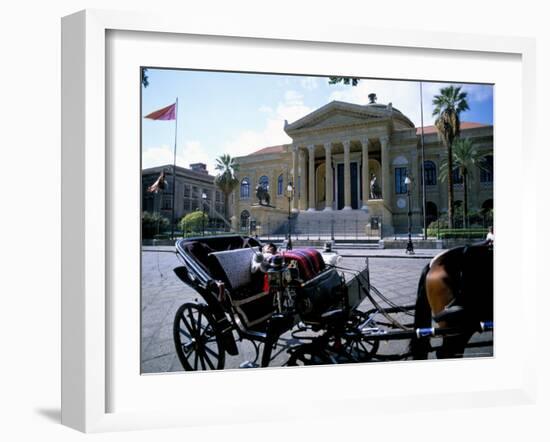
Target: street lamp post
(410, 248)
(290, 196)
(203, 210)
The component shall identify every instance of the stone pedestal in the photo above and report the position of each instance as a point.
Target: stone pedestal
(268, 215)
(379, 209)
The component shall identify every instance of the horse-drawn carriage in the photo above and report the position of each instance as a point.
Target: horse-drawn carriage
(302, 293)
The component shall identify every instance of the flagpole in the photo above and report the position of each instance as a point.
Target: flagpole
(422, 168)
(174, 173)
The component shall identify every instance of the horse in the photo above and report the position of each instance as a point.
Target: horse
(456, 287)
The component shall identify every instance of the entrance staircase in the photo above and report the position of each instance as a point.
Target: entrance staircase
(338, 225)
(343, 223)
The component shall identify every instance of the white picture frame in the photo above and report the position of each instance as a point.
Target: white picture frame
(86, 213)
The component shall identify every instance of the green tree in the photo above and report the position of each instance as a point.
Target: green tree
(448, 106)
(346, 80)
(466, 158)
(153, 224)
(226, 179)
(193, 222)
(144, 77)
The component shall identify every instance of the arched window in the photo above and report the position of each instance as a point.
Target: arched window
(430, 173)
(486, 173)
(245, 188)
(280, 185)
(400, 175)
(264, 182)
(245, 218)
(431, 212)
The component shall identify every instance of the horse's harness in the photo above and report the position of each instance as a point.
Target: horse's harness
(456, 310)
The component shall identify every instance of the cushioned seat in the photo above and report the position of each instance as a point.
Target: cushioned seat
(233, 267)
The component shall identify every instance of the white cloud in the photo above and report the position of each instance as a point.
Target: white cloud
(404, 96)
(293, 97)
(191, 152)
(291, 108)
(478, 92)
(309, 83)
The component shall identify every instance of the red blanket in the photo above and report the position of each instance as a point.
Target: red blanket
(310, 262)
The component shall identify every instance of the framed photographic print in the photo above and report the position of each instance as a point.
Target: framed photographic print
(240, 203)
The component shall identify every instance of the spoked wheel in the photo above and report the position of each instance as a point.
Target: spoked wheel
(316, 354)
(198, 345)
(309, 354)
(356, 344)
(361, 349)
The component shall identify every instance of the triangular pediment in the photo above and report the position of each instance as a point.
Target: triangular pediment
(337, 114)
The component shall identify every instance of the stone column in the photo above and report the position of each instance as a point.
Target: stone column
(328, 177)
(294, 175)
(347, 176)
(414, 173)
(365, 173)
(274, 186)
(311, 186)
(384, 147)
(303, 194)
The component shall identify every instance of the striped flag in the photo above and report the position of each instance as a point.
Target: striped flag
(159, 184)
(166, 113)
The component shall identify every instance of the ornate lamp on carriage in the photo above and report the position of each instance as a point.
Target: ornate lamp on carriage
(290, 196)
(410, 248)
(204, 197)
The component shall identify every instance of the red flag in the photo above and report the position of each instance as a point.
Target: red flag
(159, 184)
(166, 113)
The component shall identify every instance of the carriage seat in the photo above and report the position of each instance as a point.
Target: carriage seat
(233, 268)
(247, 295)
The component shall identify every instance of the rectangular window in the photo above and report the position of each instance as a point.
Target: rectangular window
(400, 174)
(167, 201)
(186, 191)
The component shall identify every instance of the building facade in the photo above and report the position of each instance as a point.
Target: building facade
(191, 184)
(351, 160)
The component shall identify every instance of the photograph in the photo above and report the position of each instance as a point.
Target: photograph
(294, 220)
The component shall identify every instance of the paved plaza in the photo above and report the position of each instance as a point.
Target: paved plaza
(392, 272)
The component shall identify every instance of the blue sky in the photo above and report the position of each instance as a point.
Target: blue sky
(239, 113)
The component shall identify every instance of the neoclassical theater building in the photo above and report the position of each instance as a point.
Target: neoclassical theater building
(349, 162)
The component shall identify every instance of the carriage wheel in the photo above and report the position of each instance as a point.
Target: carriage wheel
(198, 345)
(361, 349)
(358, 346)
(309, 354)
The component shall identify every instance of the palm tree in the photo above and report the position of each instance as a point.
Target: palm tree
(465, 158)
(448, 106)
(346, 80)
(226, 179)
